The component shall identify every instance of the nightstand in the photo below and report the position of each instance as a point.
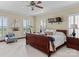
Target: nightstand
(73, 42)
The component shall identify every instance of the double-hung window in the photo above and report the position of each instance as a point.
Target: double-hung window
(42, 26)
(73, 19)
(26, 25)
(3, 26)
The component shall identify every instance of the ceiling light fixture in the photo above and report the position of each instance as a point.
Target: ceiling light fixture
(34, 4)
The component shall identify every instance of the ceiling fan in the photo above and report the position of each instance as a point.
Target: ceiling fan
(34, 4)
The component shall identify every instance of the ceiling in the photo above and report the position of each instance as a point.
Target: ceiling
(20, 7)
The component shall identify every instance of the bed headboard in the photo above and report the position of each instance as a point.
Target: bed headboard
(64, 31)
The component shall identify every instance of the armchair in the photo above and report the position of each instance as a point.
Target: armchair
(10, 37)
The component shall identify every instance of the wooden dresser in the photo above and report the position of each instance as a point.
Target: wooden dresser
(73, 42)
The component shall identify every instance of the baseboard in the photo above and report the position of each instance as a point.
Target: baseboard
(2, 40)
(61, 46)
(21, 38)
(16, 38)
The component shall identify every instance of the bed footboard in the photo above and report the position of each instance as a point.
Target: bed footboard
(39, 41)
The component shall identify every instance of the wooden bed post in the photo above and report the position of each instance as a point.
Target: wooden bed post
(49, 54)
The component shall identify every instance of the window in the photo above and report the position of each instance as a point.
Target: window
(26, 25)
(74, 19)
(71, 21)
(3, 26)
(42, 26)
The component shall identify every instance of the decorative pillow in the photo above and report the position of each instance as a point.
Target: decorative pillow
(53, 31)
(60, 33)
(49, 33)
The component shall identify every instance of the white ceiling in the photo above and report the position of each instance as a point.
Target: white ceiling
(20, 7)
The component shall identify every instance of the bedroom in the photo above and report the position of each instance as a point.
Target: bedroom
(69, 16)
(17, 12)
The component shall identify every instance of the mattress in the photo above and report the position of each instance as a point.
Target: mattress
(60, 38)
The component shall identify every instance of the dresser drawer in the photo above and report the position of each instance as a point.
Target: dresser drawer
(73, 41)
(73, 46)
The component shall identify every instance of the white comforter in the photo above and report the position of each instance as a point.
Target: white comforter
(60, 38)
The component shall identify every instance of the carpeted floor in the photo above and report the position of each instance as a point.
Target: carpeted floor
(20, 49)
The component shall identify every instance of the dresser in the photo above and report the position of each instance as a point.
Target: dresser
(73, 42)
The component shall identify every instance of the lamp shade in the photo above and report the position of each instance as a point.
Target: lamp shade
(74, 26)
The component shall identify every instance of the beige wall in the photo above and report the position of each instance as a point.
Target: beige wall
(63, 14)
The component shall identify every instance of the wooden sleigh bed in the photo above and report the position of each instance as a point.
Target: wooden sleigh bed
(42, 42)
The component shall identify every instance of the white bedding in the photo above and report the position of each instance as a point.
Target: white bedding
(60, 38)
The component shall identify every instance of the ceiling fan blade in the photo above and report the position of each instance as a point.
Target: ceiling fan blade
(38, 6)
(32, 3)
(39, 2)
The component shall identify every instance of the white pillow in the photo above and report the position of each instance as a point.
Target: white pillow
(47, 30)
(60, 33)
(53, 31)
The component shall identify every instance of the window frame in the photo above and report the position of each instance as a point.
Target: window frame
(3, 31)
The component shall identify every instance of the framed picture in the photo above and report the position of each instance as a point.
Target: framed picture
(51, 20)
(55, 20)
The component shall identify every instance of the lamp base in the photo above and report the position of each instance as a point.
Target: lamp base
(73, 34)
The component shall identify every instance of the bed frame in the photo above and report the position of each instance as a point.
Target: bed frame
(41, 42)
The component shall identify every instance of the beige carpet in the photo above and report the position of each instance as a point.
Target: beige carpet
(19, 49)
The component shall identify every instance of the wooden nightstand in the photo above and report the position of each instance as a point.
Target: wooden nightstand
(73, 42)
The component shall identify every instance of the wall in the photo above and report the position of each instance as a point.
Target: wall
(62, 13)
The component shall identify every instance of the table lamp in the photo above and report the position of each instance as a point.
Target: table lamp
(74, 26)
